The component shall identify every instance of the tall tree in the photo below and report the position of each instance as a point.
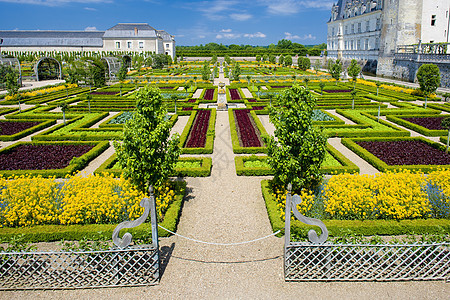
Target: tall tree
(147, 153)
(299, 148)
(12, 85)
(353, 71)
(336, 69)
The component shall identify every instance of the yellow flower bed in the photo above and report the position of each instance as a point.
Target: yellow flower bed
(391, 195)
(42, 91)
(27, 200)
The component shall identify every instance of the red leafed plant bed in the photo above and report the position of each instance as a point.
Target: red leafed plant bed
(251, 100)
(209, 94)
(280, 86)
(187, 108)
(104, 93)
(337, 91)
(166, 87)
(247, 132)
(197, 136)
(10, 128)
(192, 100)
(412, 152)
(234, 94)
(432, 123)
(258, 107)
(41, 157)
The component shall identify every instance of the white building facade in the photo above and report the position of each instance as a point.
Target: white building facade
(372, 30)
(126, 37)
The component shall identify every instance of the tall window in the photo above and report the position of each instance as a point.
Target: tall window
(332, 31)
(378, 24)
(346, 29)
(167, 45)
(117, 45)
(353, 28)
(141, 45)
(366, 44)
(129, 45)
(433, 20)
(359, 27)
(367, 25)
(358, 45)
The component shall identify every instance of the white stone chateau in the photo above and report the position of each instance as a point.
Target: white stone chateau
(127, 37)
(377, 30)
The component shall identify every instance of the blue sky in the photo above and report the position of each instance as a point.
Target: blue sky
(254, 22)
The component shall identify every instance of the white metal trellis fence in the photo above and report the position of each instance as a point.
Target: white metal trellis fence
(323, 261)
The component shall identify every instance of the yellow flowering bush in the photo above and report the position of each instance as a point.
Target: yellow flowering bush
(279, 194)
(27, 200)
(43, 91)
(397, 195)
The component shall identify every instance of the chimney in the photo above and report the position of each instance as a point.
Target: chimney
(135, 31)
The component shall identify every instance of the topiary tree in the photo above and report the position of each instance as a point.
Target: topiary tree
(303, 63)
(353, 71)
(121, 75)
(299, 148)
(146, 153)
(236, 71)
(64, 107)
(446, 124)
(429, 79)
(281, 59)
(378, 84)
(288, 61)
(306, 80)
(272, 58)
(258, 58)
(336, 69)
(321, 85)
(317, 65)
(353, 92)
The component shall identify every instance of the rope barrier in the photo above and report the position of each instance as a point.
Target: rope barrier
(218, 244)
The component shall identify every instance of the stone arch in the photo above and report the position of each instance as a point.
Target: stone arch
(47, 68)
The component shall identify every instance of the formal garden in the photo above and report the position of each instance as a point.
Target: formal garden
(156, 127)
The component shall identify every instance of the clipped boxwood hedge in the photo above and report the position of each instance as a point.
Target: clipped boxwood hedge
(209, 145)
(19, 135)
(381, 165)
(237, 149)
(50, 233)
(357, 227)
(203, 171)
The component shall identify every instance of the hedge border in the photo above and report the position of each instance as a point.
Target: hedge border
(203, 171)
(81, 161)
(420, 129)
(209, 144)
(51, 233)
(347, 166)
(381, 165)
(28, 131)
(358, 227)
(237, 149)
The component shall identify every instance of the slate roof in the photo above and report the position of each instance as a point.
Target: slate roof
(51, 38)
(129, 30)
(166, 36)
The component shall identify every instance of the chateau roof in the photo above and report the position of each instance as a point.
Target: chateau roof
(131, 30)
(51, 38)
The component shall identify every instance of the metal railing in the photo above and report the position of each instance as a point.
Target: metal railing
(122, 265)
(324, 261)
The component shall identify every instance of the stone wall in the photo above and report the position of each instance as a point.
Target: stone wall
(407, 70)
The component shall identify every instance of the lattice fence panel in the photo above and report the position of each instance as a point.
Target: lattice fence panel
(335, 262)
(133, 266)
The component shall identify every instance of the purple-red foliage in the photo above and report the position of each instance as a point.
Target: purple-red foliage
(248, 135)
(209, 94)
(412, 152)
(104, 93)
(41, 157)
(251, 100)
(258, 107)
(10, 128)
(192, 100)
(187, 108)
(234, 94)
(197, 137)
(432, 123)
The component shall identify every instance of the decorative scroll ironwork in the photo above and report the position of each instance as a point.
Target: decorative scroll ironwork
(126, 239)
(134, 266)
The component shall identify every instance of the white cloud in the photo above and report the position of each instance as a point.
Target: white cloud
(90, 8)
(228, 36)
(91, 28)
(290, 36)
(290, 7)
(54, 2)
(201, 36)
(241, 17)
(255, 35)
(226, 30)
